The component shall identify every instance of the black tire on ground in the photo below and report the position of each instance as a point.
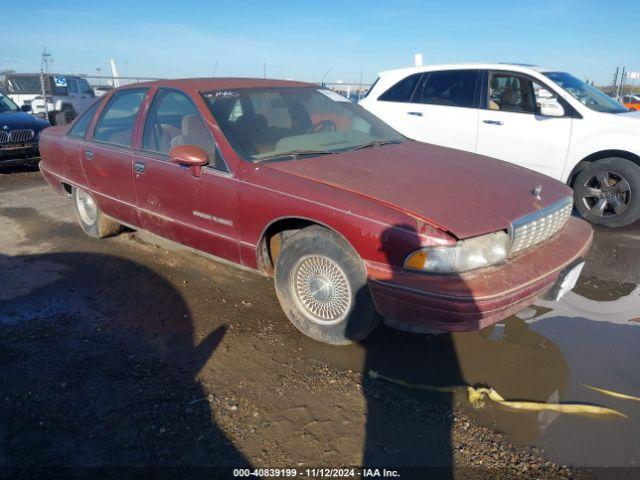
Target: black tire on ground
(97, 225)
(65, 116)
(622, 191)
(317, 261)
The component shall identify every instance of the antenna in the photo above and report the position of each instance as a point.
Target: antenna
(324, 76)
(215, 67)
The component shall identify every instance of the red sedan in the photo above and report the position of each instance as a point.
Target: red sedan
(355, 222)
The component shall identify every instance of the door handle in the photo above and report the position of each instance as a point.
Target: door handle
(88, 155)
(493, 122)
(138, 167)
(416, 114)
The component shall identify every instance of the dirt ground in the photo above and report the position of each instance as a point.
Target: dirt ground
(132, 352)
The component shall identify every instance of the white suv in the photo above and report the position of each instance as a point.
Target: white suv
(539, 118)
(65, 96)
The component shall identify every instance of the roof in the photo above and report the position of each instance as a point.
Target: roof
(489, 66)
(219, 83)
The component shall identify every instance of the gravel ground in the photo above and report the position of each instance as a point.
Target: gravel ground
(128, 353)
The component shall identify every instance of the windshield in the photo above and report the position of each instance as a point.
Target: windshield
(6, 104)
(265, 123)
(587, 95)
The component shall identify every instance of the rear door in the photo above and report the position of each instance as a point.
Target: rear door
(394, 105)
(107, 160)
(444, 109)
(198, 211)
(511, 128)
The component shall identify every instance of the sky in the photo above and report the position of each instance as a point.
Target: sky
(309, 40)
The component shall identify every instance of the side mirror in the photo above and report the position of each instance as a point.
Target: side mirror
(551, 108)
(25, 108)
(190, 156)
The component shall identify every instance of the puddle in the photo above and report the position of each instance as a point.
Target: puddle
(591, 336)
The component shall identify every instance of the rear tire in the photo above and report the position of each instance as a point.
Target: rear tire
(322, 287)
(607, 192)
(93, 222)
(66, 116)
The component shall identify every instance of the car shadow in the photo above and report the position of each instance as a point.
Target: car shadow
(413, 429)
(100, 363)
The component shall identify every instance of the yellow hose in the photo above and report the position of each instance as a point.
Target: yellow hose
(477, 397)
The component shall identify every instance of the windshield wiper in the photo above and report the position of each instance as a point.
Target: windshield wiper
(375, 143)
(294, 154)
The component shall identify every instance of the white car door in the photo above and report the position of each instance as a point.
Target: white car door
(511, 128)
(434, 107)
(444, 110)
(394, 105)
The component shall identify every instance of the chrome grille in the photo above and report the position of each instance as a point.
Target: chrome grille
(4, 136)
(17, 136)
(539, 226)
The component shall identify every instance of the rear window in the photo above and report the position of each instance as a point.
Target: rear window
(79, 129)
(403, 90)
(116, 122)
(454, 88)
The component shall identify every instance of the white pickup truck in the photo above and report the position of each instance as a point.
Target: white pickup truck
(540, 118)
(65, 96)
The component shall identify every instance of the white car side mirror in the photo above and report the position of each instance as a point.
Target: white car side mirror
(551, 108)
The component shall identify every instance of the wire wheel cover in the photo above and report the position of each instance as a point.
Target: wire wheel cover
(321, 289)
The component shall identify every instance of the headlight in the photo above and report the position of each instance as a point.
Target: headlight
(465, 255)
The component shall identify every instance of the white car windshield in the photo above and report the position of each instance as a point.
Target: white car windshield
(587, 95)
(268, 124)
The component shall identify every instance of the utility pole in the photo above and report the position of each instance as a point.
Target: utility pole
(98, 70)
(615, 81)
(621, 84)
(44, 69)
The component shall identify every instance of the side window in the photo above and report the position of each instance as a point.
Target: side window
(173, 120)
(72, 85)
(455, 88)
(79, 129)
(403, 90)
(511, 92)
(116, 122)
(84, 86)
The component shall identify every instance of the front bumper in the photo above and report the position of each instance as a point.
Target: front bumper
(474, 300)
(11, 151)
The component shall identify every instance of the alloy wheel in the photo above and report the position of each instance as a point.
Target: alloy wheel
(606, 193)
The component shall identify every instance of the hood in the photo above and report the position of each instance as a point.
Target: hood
(463, 193)
(632, 115)
(21, 120)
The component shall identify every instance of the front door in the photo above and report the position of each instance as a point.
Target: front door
(107, 159)
(193, 208)
(512, 129)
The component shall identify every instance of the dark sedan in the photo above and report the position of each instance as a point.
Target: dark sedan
(19, 133)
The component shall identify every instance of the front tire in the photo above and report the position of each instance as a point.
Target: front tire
(607, 192)
(322, 287)
(93, 222)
